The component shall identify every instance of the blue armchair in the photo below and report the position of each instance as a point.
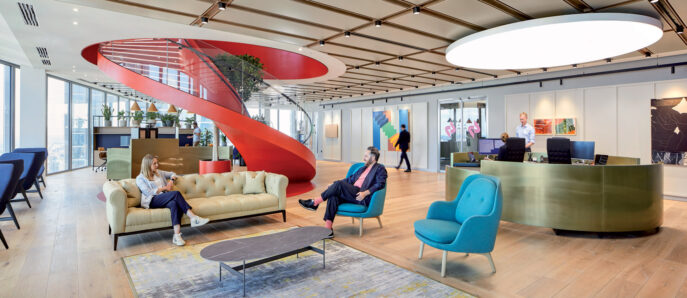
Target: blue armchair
(9, 178)
(28, 175)
(467, 224)
(43, 156)
(359, 211)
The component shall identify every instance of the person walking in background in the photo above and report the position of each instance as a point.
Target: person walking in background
(403, 144)
(196, 134)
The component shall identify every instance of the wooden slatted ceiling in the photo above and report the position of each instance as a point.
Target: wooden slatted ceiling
(420, 39)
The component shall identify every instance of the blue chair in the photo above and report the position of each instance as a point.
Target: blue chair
(27, 176)
(41, 171)
(359, 211)
(9, 178)
(19, 168)
(467, 224)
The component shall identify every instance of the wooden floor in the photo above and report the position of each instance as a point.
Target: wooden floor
(63, 249)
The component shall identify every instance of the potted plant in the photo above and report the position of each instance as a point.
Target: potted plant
(137, 118)
(107, 115)
(244, 72)
(223, 140)
(188, 122)
(121, 116)
(151, 118)
(167, 120)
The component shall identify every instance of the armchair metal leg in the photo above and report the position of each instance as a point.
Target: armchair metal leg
(467, 254)
(14, 217)
(380, 222)
(116, 237)
(2, 237)
(43, 180)
(38, 187)
(422, 248)
(491, 262)
(361, 227)
(443, 264)
(283, 214)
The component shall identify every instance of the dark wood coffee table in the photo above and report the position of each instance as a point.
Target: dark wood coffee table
(264, 249)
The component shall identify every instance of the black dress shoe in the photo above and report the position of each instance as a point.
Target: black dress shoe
(308, 204)
(398, 167)
(408, 170)
(331, 235)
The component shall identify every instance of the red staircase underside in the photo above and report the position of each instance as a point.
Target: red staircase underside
(262, 147)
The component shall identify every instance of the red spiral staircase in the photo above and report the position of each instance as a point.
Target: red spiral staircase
(181, 73)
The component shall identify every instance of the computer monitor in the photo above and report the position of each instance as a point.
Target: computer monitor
(489, 146)
(582, 149)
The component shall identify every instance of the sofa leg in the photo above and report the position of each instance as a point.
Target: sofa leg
(380, 222)
(422, 248)
(116, 237)
(443, 264)
(491, 262)
(361, 227)
(283, 214)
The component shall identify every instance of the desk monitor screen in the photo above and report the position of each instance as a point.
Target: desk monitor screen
(489, 146)
(582, 150)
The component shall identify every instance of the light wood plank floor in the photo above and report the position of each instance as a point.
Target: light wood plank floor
(63, 249)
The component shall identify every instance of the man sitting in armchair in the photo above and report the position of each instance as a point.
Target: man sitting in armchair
(355, 189)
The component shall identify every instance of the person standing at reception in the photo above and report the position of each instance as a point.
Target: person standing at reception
(196, 134)
(402, 143)
(525, 131)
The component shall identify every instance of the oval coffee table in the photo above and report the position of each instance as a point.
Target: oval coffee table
(264, 249)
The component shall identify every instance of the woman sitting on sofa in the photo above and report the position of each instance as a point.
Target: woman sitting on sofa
(156, 192)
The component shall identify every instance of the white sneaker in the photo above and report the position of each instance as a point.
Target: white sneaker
(198, 221)
(177, 240)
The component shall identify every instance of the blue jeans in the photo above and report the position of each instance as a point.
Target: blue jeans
(174, 201)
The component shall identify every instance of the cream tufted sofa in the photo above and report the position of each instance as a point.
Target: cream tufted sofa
(215, 196)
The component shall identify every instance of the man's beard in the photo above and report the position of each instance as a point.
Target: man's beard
(369, 163)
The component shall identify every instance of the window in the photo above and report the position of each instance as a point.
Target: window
(97, 102)
(285, 122)
(58, 125)
(80, 132)
(113, 104)
(17, 96)
(123, 107)
(5, 110)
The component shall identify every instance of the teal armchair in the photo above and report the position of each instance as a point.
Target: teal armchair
(354, 211)
(467, 224)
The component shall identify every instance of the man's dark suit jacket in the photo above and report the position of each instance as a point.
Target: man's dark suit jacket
(403, 140)
(374, 181)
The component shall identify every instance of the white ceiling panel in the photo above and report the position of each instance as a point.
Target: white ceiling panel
(431, 57)
(402, 36)
(375, 9)
(367, 43)
(540, 9)
(276, 24)
(298, 10)
(188, 6)
(474, 12)
(669, 43)
(257, 33)
(409, 63)
(330, 48)
(433, 25)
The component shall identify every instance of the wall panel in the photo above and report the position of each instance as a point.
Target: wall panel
(601, 119)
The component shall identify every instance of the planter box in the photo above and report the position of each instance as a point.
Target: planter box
(209, 166)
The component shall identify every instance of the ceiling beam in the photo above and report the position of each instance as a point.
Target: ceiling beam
(580, 5)
(507, 9)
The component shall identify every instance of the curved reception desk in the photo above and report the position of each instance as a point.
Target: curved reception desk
(609, 198)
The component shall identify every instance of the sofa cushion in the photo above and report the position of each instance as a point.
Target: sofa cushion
(133, 193)
(440, 231)
(210, 185)
(232, 203)
(137, 216)
(255, 183)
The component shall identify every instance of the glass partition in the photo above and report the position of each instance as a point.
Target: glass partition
(80, 133)
(462, 123)
(58, 125)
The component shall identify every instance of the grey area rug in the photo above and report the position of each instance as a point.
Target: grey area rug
(181, 271)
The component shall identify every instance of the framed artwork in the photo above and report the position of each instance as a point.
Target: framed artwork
(543, 127)
(668, 128)
(566, 126)
(382, 127)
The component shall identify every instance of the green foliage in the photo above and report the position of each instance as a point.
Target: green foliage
(121, 115)
(167, 118)
(138, 115)
(223, 138)
(205, 137)
(244, 72)
(151, 115)
(189, 121)
(107, 112)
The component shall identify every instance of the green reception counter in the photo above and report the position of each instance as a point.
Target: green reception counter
(609, 198)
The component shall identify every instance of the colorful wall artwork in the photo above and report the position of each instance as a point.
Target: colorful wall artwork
(565, 126)
(543, 126)
(382, 123)
(668, 124)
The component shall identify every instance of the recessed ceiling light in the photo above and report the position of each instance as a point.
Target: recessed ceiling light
(378, 23)
(679, 29)
(300, 48)
(75, 23)
(400, 58)
(653, 1)
(321, 42)
(347, 34)
(555, 41)
(377, 63)
(416, 10)
(75, 9)
(221, 5)
(204, 20)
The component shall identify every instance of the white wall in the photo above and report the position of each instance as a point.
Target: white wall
(331, 147)
(33, 107)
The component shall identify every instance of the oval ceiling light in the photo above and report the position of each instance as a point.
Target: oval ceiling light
(555, 41)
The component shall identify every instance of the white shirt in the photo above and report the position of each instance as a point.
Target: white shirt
(525, 131)
(196, 135)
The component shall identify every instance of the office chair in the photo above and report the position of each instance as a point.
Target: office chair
(558, 150)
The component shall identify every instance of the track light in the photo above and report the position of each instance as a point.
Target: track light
(400, 58)
(221, 5)
(412, 76)
(378, 23)
(544, 69)
(679, 29)
(416, 10)
(608, 60)
(204, 20)
(647, 54)
(357, 67)
(347, 34)
(321, 42)
(377, 63)
(653, 1)
(574, 65)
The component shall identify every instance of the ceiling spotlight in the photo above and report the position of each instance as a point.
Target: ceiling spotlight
(653, 1)
(300, 48)
(75, 23)
(221, 5)
(377, 63)
(412, 76)
(378, 23)
(75, 9)
(647, 54)
(357, 67)
(321, 42)
(608, 60)
(347, 34)
(544, 69)
(416, 10)
(434, 72)
(204, 20)
(679, 29)
(400, 58)
(574, 65)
